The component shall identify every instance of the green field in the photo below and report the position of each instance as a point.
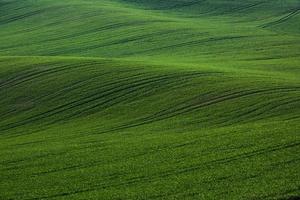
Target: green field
(149, 99)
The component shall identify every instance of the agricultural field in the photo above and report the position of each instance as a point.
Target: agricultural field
(149, 99)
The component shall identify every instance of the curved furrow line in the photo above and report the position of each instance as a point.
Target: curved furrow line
(192, 101)
(43, 155)
(195, 107)
(236, 9)
(190, 43)
(222, 98)
(249, 154)
(282, 20)
(256, 113)
(29, 162)
(30, 158)
(229, 159)
(185, 4)
(5, 3)
(34, 74)
(20, 17)
(245, 8)
(55, 22)
(133, 39)
(184, 105)
(5, 79)
(30, 12)
(293, 118)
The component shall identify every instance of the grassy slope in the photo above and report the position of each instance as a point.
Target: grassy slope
(187, 100)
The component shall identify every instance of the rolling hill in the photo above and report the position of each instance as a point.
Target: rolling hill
(139, 99)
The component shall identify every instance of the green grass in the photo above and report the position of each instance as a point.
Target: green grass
(127, 99)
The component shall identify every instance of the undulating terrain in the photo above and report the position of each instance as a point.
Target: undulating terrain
(149, 99)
